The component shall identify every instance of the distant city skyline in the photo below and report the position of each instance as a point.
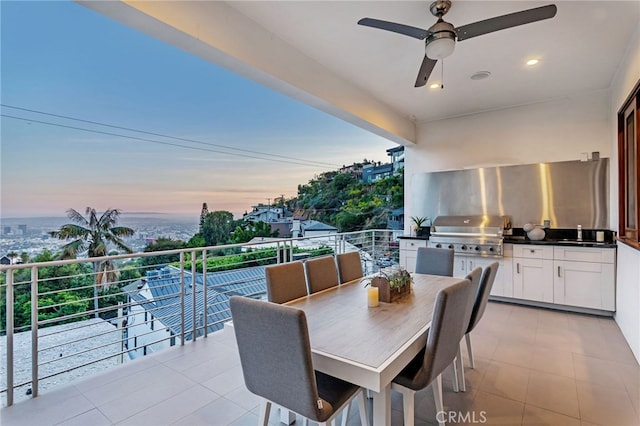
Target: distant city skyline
(208, 135)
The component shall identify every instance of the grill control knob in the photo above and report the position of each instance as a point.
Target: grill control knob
(451, 246)
(477, 248)
(464, 247)
(438, 245)
(490, 248)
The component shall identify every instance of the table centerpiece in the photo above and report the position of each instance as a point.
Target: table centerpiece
(393, 283)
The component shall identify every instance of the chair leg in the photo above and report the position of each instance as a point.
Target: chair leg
(408, 403)
(458, 360)
(287, 417)
(468, 339)
(437, 396)
(454, 373)
(265, 411)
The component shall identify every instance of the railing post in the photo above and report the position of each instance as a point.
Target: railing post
(373, 246)
(119, 327)
(182, 298)
(193, 296)
(204, 292)
(9, 293)
(290, 249)
(278, 255)
(34, 331)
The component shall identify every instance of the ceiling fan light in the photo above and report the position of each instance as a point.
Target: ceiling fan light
(440, 47)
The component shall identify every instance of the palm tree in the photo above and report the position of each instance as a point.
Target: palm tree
(94, 234)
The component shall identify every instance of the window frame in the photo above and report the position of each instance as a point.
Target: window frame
(629, 235)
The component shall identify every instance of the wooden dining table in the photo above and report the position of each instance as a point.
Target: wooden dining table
(370, 346)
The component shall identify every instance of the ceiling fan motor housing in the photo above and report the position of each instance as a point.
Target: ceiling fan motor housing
(441, 40)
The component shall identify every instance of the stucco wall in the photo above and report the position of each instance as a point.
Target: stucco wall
(557, 130)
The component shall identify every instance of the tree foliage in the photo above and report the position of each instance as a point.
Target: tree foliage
(162, 244)
(94, 235)
(246, 231)
(217, 227)
(258, 257)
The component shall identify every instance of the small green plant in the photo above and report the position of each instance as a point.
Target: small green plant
(419, 220)
(396, 275)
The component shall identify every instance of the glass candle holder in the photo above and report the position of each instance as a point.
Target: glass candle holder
(372, 297)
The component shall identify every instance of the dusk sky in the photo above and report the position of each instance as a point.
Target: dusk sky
(63, 59)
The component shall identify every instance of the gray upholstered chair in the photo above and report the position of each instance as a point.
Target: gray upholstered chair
(480, 303)
(434, 261)
(275, 354)
(349, 266)
(285, 282)
(459, 384)
(321, 273)
(443, 343)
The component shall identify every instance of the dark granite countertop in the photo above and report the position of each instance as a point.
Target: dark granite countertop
(564, 237)
(554, 237)
(563, 242)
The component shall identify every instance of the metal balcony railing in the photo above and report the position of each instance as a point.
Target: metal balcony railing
(68, 319)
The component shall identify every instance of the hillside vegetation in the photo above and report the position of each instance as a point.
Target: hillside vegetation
(340, 199)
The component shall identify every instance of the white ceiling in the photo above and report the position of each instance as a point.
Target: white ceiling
(315, 52)
(579, 50)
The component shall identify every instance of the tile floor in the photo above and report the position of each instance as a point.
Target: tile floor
(533, 367)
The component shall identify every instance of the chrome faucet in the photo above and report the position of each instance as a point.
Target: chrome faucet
(579, 233)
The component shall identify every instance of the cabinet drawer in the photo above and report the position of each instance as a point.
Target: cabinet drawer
(532, 252)
(412, 244)
(584, 254)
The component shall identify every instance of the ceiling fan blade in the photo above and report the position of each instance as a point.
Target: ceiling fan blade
(408, 30)
(505, 21)
(425, 71)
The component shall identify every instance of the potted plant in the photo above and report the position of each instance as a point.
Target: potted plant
(393, 283)
(417, 225)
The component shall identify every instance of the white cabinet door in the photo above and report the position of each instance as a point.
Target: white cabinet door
(460, 268)
(584, 284)
(462, 265)
(533, 279)
(409, 262)
(409, 253)
(503, 285)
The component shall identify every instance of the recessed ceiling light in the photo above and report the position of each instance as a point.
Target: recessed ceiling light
(532, 62)
(480, 75)
(434, 86)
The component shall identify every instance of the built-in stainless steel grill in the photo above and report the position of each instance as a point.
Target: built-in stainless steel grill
(477, 235)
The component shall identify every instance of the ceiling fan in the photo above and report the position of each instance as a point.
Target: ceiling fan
(441, 37)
